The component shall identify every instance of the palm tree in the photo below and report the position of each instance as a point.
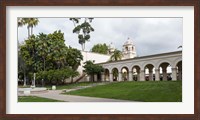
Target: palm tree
(20, 22)
(30, 22)
(117, 55)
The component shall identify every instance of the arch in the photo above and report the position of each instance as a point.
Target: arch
(125, 73)
(179, 70)
(165, 71)
(136, 72)
(157, 65)
(106, 74)
(124, 66)
(148, 72)
(146, 63)
(174, 64)
(115, 74)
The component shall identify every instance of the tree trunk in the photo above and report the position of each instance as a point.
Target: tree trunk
(24, 78)
(72, 80)
(44, 63)
(31, 30)
(28, 32)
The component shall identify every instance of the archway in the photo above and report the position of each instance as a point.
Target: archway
(179, 70)
(136, 73)
(106, 75)
(165, 71)
(115, 73)
(148, 72)
(125, 74)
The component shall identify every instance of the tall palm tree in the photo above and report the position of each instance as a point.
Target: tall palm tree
(30, 22)
(117, 55)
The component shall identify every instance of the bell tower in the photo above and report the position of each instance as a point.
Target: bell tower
(129, 50)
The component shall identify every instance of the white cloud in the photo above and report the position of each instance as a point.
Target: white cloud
(150, 35)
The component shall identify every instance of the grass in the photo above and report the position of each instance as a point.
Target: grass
(70, 86)
(61, 87)
(35, 99)
(147, 91)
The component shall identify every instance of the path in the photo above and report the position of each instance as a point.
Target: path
(55, 94)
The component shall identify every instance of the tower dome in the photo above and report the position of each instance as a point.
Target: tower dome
(129, 50)
(129, 42)
(111, 48)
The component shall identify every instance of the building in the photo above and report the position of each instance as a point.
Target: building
(133, 68)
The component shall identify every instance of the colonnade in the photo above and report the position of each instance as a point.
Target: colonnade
(137, 73)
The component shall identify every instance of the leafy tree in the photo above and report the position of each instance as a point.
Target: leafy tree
(82, 29)
(100, 48)
(92, 69)
(56, 76)
(117, 55)
(44, 52)
(73, 58)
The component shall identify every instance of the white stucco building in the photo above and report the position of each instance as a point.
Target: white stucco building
(164, 66)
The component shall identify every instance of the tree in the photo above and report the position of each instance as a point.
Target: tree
(100, 48)
(92, 69)
(30, 22)
(117, 55)
(45, 52)
(83, 30)
(73, 58)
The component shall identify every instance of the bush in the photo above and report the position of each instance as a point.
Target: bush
(56, 76)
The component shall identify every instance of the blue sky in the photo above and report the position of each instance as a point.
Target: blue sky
(150, 35)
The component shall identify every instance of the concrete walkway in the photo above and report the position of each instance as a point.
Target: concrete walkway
(55, 94)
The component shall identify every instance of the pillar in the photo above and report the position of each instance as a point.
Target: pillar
(179, 73)
(102, 76)
(95, 77)
(130, 78)
(164, 72)
(174, 74)
(142, 74)
(111, 77)
(150, 75)
(157, 74)
(138, 76)
(120, 76)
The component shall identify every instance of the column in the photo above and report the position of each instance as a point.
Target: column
(138, 76)
(95, 77)
(179, 73)
(111, 77)
(174, 74)
(120, 76)
(150, 74)
(142, 75)
(157, 74)
(102, 76)
(130, 76)
(164, 72)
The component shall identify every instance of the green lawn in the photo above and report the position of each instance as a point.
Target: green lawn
(69, 86)
(66, 86)
(147, 91)
(35, 99)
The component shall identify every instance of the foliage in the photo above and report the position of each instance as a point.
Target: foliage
(73, 58)
(48, 52)
(92, 69)
(82, 29)
(117, 55)
(56, 76)
(115, 73)
(100, 48)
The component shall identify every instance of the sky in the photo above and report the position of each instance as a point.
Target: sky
(149, 35)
